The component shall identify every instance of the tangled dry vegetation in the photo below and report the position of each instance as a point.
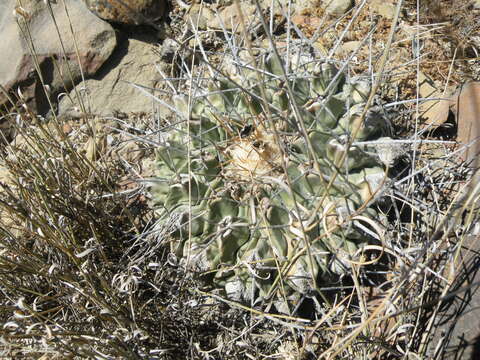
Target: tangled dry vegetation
(86, 273)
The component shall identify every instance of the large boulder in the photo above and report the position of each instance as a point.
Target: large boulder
(131, 12)
(113, 89)
(58, 52)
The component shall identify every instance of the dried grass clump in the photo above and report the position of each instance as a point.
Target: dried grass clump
(61, 241)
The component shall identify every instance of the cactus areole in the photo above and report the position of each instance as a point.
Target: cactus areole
(258, 189)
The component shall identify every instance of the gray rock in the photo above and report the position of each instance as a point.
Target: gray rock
(131, 12)
(337, 7)
(385, 8)
(198, 16)
(300, 5)
(60, 65)
(111, 91)
(229, 18)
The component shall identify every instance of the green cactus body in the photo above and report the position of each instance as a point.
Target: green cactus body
(253, 214)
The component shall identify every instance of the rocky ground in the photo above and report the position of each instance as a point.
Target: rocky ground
(101, 78)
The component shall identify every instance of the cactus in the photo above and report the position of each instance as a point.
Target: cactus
(258, 187)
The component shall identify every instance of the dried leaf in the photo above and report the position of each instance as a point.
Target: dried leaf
(434, 112)
(95, 149)
(467, 110)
